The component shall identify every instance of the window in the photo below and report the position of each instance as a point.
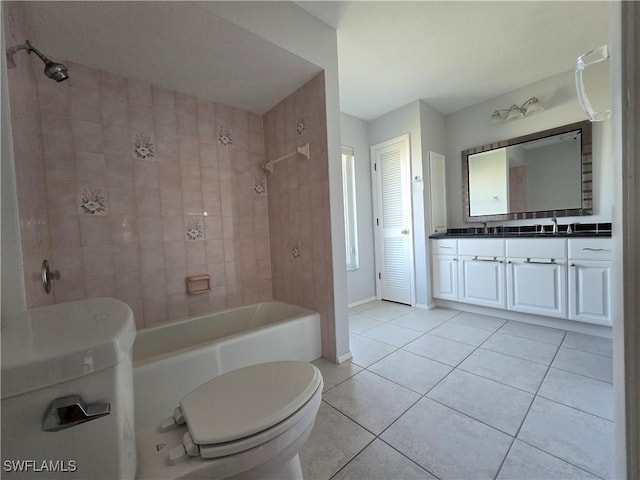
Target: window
(349, 198)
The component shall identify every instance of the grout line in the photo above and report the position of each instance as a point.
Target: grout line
(581, 374)
(353, 458)
(561, 459)
(514, 356)
(585, 351)
(575, 408)
(492, 427)
(453, 368)
(410, 459)
(535, 395)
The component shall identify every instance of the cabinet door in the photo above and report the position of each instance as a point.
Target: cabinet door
(537, 287)
(445, 276)
(590, 291)
(481, 281)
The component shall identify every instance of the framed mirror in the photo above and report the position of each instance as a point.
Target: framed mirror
(544, 174)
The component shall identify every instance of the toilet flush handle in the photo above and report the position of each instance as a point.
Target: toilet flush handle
(66, 412)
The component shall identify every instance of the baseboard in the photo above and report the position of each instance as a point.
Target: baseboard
(361, 302)
(422, 306)
(345, 357)
(570, 325)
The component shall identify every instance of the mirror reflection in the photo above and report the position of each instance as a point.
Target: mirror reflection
(538, 175)
(543, 174)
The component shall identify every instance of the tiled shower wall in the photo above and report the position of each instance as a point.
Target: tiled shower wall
(144, 186)
(299, 219)
(28, 158)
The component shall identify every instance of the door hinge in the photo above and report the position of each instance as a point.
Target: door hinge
(377, 222)
(379, 276)
(375, 167)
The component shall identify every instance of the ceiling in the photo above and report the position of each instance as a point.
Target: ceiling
(453, 54)
(177, 45)
(450, 54)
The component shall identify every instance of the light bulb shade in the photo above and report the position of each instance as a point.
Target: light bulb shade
(532, 105)
(497, 117)
(514, 113)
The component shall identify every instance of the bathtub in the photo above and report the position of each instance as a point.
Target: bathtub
(171, 359)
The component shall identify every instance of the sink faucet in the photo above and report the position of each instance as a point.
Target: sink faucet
(555, 225)
(485, 229)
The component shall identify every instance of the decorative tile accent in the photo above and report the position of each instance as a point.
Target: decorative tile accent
(260, 187)
(194, 228)
(301, 125)
(295, 251)
(224, 136)
(143, 146)
(93, 201)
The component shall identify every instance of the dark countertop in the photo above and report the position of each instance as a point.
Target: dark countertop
(579, 230)
(442, 236)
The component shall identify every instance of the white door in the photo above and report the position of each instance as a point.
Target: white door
(392, 202)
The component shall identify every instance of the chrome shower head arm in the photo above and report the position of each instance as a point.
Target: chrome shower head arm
(30, 48)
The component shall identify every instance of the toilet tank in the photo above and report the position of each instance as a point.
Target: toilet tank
(78, 349)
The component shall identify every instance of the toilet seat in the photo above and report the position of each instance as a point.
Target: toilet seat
(245, 408)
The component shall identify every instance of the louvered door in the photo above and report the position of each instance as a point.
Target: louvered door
(392, 180)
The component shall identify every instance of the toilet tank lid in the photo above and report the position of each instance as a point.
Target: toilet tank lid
(53, 344)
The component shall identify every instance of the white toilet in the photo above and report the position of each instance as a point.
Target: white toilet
(67, 407)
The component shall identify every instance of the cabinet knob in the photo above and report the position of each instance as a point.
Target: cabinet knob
(405, 232)
(572, 265)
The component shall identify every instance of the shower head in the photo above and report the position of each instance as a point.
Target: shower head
(56, 71)
(53, 70)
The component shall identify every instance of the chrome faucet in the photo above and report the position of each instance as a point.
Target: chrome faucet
(555, 225)
(485, 228)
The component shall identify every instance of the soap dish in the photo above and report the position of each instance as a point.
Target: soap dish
(198, 284)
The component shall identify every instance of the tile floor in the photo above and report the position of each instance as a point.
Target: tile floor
(452, 395)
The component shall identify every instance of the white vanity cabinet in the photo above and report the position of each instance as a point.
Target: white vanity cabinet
(590, 280)
(444, 261)
(482, 272)
(553, 277)
(537, 276)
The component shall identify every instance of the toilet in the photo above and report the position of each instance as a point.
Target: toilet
(67, 406)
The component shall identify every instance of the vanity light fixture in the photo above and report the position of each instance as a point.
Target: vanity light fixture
(516, 112)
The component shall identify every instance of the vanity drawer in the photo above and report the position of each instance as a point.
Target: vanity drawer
(485, 247)
(590, 249)
(444, 247)
(537, 248)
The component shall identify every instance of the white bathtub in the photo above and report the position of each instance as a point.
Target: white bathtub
(171, 359)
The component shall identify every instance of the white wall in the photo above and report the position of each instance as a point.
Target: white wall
(361, 282)
(393, 124)
(292, 28)
(13, 295)
(472, 127)
(433, 139)
(426, 128)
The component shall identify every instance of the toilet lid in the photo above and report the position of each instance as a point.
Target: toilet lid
(249, 400)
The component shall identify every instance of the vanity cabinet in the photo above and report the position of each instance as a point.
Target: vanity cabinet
(554, 277)
(589, 281)
(445, 269)
(482, 272)
(537, 276)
